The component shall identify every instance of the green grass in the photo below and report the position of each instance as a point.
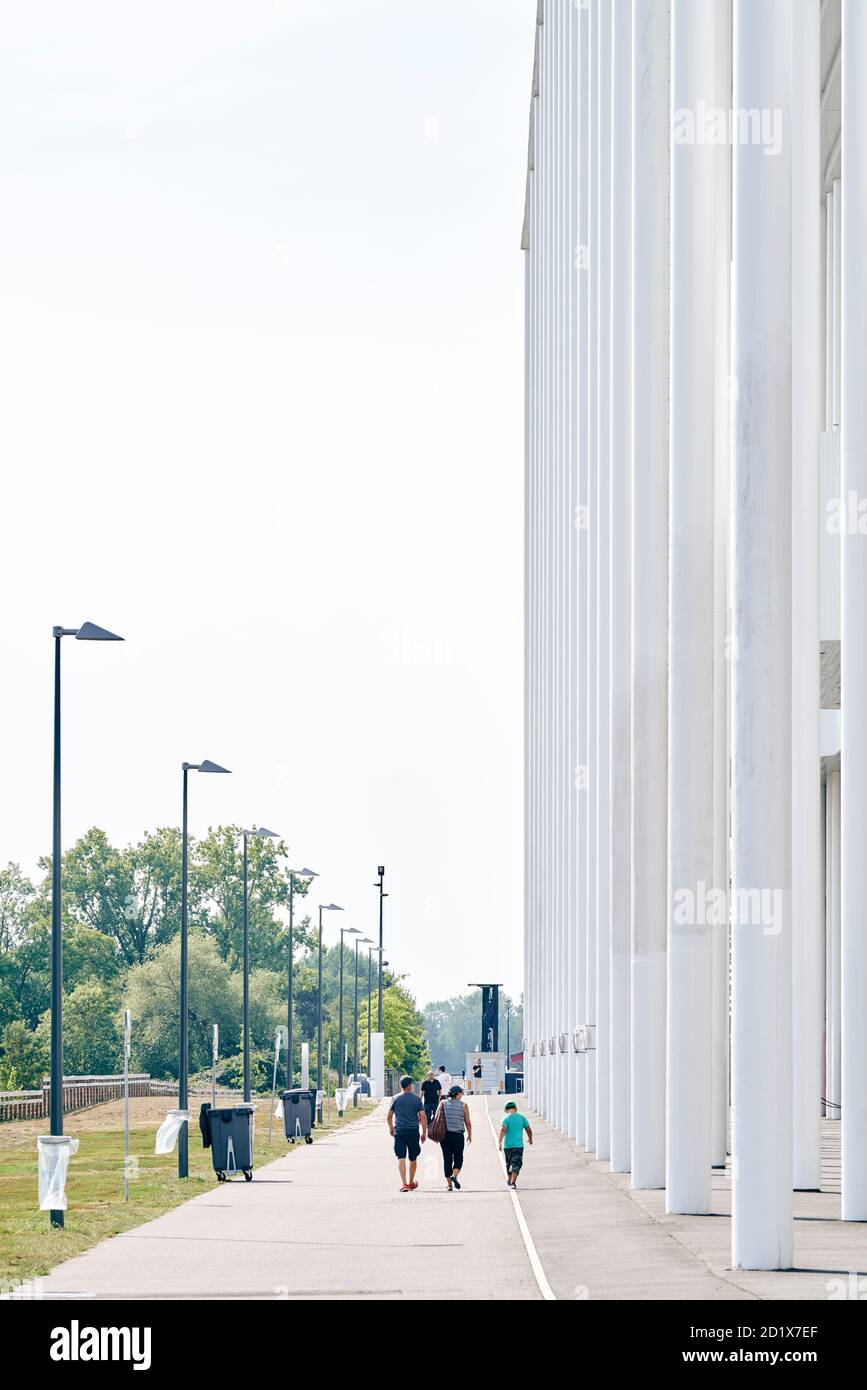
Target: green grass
(94, 1187)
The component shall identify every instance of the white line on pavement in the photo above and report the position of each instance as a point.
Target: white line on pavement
(535, 1263)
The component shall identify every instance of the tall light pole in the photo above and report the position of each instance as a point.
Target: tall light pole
(359, 941)
(369, 1001)
(382, 896)
(344, 931)
(184, 1051)
(323, 907)
(88, 632)
(260, 834)
(309, 874)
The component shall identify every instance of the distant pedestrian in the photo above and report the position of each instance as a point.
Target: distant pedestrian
(405, 1115)
(431, 1092)
(458, 1122)
(445, 1079)
(512, 1132)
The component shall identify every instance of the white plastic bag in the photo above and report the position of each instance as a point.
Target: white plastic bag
(55, 1151)
(278, 1109)
(170, 1129)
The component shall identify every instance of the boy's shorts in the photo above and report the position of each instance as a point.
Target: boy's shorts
(407, 1144)
(514, 1160)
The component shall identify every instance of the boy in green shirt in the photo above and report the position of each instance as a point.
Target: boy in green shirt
(512, 1136)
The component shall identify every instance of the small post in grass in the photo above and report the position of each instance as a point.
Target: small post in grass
(127, 1028)
(278, 1037)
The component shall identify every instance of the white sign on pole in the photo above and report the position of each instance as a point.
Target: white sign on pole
(305, 1066)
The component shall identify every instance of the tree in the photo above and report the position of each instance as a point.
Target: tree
(23, 1058)
(219, 874)
(153, 998)
(406, 1047)
(87, 955)
(16, 896)
(92, 1035)
(453, 1027)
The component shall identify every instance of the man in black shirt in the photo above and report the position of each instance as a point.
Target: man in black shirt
(405, 1115)
(431, 1091)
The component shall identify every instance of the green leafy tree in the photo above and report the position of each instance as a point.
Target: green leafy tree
(405, 1042)
(453, 1027)
(16, 897)
(153, 998)
(92, 1039)
(23, 1057)
(88, 955)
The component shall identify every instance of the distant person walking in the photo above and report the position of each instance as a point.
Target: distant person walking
(445, 1079)
(405, 1115)
(512, 1132)
(458, 1124)
(431, 1092)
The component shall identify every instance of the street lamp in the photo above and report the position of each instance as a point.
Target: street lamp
(260, 834)
(323, 907)
(359, 941)
(88, 632)
(382, 896)
(184, 1059)
(293, 874)
(382, 963)
(344, 931)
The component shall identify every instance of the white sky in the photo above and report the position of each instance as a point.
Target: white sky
(261, 364)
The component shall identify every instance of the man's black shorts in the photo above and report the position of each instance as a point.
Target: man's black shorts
(514, 1160)
(407, 1143)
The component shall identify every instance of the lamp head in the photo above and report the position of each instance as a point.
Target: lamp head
(89, 632)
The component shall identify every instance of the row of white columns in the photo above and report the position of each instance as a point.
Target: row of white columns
(674, 382)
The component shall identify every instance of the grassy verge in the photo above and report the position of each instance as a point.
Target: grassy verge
(94, 1187)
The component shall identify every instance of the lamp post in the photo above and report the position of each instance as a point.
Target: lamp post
(369, 1000)
(260, 834)
(382, 896)
(323, 907)
(290, 1055)
(88, 632)
(344, 931)
(184, 1057)
(359, 941)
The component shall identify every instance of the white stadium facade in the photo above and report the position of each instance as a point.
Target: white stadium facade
(695, 250)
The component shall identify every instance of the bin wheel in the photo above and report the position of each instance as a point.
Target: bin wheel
(248, 1176)
(221, 1177)
(308, 1138)
(292, 1139)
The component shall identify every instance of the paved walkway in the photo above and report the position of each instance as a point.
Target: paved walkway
(329, 1222)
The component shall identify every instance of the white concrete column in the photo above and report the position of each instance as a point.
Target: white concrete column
(582, 281)
(832, 948)
(592, 410)
(570, 282)
(542, 718)
(620, 532)
(721, 657)
(603, 597)
(807, 387)
(762, 558)
(650, 315)
(691, 596)
(853, 649)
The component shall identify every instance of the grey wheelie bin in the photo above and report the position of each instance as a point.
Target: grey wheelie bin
(298, 1115)
(231, 1133)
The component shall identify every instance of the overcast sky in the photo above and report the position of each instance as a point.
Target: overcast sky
(261, 361)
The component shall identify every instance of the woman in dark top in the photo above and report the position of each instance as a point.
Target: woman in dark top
(430, 1095)
(457, 1114)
